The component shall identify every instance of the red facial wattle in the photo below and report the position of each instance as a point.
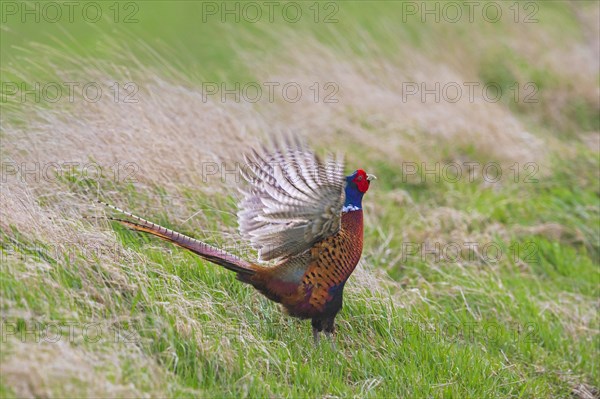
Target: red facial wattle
(361, 181)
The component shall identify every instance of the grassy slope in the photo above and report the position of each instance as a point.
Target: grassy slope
(410, 327)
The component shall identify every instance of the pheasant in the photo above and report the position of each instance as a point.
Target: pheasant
(301, 213)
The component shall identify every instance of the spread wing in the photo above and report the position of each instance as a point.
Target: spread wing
(294, 200)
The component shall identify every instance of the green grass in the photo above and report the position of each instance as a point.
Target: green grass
(480, 333)
(524, 325)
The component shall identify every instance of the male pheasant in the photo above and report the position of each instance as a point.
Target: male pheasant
(301, 213)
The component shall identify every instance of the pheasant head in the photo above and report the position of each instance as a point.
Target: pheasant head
(357, 185)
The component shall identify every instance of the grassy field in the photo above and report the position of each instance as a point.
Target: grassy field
(485, 284)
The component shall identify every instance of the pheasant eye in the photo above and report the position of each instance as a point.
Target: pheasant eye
(359, 178)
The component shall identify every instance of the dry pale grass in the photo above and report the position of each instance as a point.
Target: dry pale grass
(169, 132)
(375, 114)
(60, 369)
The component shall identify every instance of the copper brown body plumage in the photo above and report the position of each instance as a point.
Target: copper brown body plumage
(303, 214)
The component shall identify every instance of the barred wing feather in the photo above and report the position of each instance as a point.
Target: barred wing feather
(294, 201)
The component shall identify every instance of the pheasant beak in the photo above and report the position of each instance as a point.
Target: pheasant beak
(371, 177)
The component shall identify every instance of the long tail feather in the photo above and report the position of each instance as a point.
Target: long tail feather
(208, 252)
